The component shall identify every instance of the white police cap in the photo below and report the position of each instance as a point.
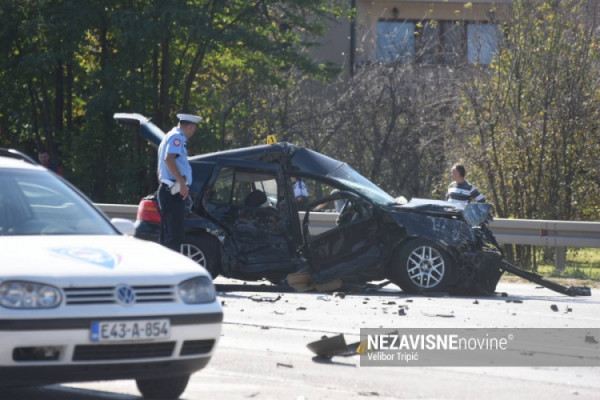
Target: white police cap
(190, 118)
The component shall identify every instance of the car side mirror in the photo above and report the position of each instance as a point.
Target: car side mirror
(124, 226)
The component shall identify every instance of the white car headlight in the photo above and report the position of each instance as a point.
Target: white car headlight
(197, 290)
(20, 294)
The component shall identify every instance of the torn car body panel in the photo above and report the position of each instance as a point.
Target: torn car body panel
(246, 200)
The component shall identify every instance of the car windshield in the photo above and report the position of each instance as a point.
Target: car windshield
(352, 179)
(35, 202)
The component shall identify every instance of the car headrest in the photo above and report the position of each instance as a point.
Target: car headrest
(255, 198)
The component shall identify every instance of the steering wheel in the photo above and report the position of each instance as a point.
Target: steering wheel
(347, 213)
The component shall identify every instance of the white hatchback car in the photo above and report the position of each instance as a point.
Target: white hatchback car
(80, 302)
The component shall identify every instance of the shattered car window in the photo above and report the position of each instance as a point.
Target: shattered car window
(269, 186)
(477, 213)
(317, 190)
(221, 192)
(352, 179)
(247, 184)
(240, 187)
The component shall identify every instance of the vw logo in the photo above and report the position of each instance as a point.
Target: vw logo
(125, 295)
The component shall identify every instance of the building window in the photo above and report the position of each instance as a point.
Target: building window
(453, 39)
(482, 43)
(429, 41)
(395, 41)
(436, 42)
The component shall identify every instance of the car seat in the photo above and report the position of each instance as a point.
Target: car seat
(255, 198)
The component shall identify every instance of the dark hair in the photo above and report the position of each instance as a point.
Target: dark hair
(460, 168)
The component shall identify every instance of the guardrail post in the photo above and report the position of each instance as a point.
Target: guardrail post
(560, 258)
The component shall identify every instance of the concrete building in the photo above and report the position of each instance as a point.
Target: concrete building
(428, 32)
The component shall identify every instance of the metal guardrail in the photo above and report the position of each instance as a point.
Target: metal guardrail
(513, 231)
(558, 234)
(127, 211)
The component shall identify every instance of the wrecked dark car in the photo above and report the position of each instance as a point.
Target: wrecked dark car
(244, 222)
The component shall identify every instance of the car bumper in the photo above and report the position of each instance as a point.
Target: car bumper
(56, 351)
(147, 230)
(45, 375)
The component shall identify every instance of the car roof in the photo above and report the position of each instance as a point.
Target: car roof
(12, 154)
(299, 160)
(263, 152)
(10, 162)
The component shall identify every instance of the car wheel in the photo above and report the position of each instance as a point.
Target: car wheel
(203, 249)
(163, 388)
(421, 266)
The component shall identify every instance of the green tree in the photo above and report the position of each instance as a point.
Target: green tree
(531, 121)
(69, 65)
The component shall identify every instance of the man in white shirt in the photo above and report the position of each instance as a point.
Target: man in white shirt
(460, 191)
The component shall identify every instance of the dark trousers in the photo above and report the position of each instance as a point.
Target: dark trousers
(172, 213)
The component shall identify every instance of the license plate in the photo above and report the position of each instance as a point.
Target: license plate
(122, 331)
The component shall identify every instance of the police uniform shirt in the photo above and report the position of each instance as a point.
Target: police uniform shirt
(174, 143)
(300, 189)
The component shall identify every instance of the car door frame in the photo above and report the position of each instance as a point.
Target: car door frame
(349, 257)
(270, 270)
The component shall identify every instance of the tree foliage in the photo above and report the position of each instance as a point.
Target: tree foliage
(396, 121)
(67, 66)
(532, 120)
(527, 126)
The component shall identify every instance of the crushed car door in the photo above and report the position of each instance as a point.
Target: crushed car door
(247, 199)
(351, 251)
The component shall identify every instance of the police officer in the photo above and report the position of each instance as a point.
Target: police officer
(175, 176)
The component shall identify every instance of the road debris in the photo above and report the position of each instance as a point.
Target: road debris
(303, 282)
(590, 339)
(328, 347)
(476, 301)
(554, 307)
(341, 295)
(514, 301)
(301, 309)
(261, 299)
(451, 315)
(284, 365)
(540, 280)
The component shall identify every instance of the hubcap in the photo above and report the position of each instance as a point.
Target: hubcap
(194, 253)
(425, 266)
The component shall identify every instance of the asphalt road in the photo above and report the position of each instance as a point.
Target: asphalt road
(262, 353)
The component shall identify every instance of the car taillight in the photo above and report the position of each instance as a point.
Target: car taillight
(148, 211)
